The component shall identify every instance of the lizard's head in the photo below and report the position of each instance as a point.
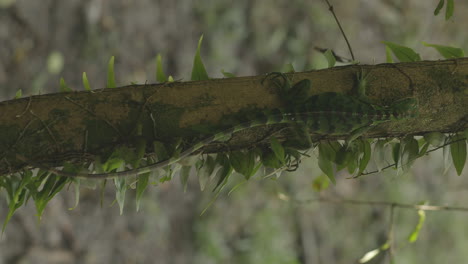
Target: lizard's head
(406, 108)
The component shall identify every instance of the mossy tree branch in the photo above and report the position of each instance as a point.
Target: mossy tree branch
(81, 126)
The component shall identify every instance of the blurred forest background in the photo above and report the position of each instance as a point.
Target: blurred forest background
(259, 222)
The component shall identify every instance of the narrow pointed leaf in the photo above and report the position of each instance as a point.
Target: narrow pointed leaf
(330, 58)
(64, 87)
(366, 155)
(396, 154)
(388, 54)
(458, 151)
(439, 7)
(410, 152)
(110, 74)
(325, 163)
(205, 171)
(446, 154)
(142, 184)
(379, 153)
(224, 173)
(435, 138)
(76, 184)
(120, 190)
(160, 76)
(184, 175)
(86, 82)
(198, 71)
(18, 94)
(449, 9)
(447, 51)
(277, 149)
(404, 54)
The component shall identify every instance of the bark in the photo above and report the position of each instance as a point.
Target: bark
(81, 126)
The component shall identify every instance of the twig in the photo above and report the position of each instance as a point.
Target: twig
(423, 207)
(26, 108)
(392, 165)
(330, 8)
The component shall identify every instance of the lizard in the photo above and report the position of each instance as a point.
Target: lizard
(328, 113)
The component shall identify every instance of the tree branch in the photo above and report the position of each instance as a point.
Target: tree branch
(79, 126)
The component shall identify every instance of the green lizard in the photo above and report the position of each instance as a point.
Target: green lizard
(326, 113)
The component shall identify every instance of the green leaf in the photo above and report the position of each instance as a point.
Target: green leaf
(277, 149)
(458, 151)
(17, 193)
(404, 54)
(327, 150)
(52, 186)
(64, 87)
(439, 7)
(423, 150)
(76, 184)
(142, 184)
(446, 155)
(225, 171)
(270, 160)
(198, 71)
(170, 172)
(205, 171)
(160, 76)
(353, 159)
(330, 58)
(447, 51)
(18, 94)
(436, 139)
(326, 155)
(184, 175)
(113, 163)
(160, 150)
(86, 82)
(410, 152)
(120, 190)
(140, 144)
(388, 54)
(379, 153)
(170, 79)
(449, 9)
(243, 163)
(415, 234)
(396, 154)
(342, 158)
(227, 74)
(110, 74)
(366, 155)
